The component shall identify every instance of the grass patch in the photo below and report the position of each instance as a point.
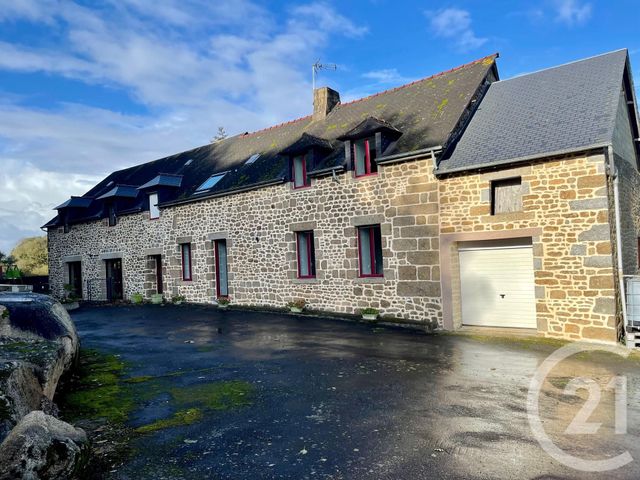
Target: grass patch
(181, 417)
(215, 396)
(140, 379)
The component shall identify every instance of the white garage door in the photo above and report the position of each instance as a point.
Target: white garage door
(497, 287)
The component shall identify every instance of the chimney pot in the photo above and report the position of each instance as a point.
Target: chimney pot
(324, 100)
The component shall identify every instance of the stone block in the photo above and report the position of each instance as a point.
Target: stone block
(606, 306)
(598, 261)
(404, 245)
(591, 181)
(407, 273)
(588, 204)
(601, 282)
(596, 233)
(418, 289)
(419, 231)
(578, 249)
(599, 333)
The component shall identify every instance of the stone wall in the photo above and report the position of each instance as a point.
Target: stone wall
(565, 212)
(629, 196)
(260, 227)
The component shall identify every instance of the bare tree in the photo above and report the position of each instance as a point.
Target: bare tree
(221, 135)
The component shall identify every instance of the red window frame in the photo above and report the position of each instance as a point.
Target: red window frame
(309, 254)
(372, 251)
(306, 181)
(367, 158)
(185, 277)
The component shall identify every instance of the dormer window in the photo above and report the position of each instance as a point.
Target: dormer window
(299, 172)
(154, 211)
(364, 155)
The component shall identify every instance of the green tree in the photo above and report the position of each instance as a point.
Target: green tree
(31, 256)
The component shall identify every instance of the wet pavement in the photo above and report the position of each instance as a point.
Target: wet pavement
(335, 399)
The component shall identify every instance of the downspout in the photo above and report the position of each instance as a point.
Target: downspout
(613, 172)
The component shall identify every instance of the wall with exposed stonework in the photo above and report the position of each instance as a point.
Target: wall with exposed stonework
(259, 227)
(565, 212)
(629, 197)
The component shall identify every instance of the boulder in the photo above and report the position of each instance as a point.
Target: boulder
(43, 447)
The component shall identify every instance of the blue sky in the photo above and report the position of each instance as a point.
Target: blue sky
(91, 87)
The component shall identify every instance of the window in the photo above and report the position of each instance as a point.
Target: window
(210, 182)
(306, 255)
(370, 251)
(300, 179)
(154, 211)
(75, 278)
(252, 159)
(113, 219)
(364, 155)
(506, 196)
(186, 261)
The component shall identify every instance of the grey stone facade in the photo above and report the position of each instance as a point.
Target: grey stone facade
(260, 226)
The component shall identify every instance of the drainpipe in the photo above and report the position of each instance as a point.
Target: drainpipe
(613, 172)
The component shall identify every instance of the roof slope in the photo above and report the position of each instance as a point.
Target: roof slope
(561, 109)
(425, 111)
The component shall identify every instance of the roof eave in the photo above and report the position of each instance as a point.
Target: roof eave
(538, 156)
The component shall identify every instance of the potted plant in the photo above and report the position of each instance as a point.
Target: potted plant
(297, 306)
(137, 298)
(69, 300)
(370, 314)
(178, 299)
(224, 301)
(157, 298)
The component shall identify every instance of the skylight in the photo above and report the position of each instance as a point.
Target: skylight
(210, 182)
(252, 159)
(188, 162)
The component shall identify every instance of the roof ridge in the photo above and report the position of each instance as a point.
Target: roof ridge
(544, 69)
(278, 125)
(436, 75)
(492, 56)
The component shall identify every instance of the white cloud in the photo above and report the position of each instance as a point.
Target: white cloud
(455, 24)
(572, 12)
(194, 65)
(386, 75)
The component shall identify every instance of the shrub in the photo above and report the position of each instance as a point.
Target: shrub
(224, 300)
(298, 303)
(370, 311)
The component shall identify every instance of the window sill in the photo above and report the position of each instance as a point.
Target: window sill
(305, 280)
(304, 187)
(366, 175)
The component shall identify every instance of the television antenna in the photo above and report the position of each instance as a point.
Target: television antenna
(316, 67)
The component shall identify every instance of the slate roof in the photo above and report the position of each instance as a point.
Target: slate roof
(567, 108)
(163, 180)
(426, 112)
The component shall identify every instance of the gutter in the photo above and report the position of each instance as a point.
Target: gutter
(612, 170)
(412, 155)
(325, 171)
(222, 193)
(526, 158)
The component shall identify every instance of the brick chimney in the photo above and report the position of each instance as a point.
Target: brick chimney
(324, 100)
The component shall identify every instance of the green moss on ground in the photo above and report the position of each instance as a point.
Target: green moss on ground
(97, 390)
(181, 417)
(215, 396)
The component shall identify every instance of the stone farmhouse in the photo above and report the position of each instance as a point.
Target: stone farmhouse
(457, 200)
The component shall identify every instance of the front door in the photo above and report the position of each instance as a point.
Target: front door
(114, 279)
(159, 273)
(222, 280)
(75, 278)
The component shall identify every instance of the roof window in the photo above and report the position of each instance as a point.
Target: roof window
(210, 182)
(252, 159)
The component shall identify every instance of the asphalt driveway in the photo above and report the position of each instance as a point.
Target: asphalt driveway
(261, 395)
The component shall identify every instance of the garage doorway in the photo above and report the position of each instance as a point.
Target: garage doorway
(497, 287)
